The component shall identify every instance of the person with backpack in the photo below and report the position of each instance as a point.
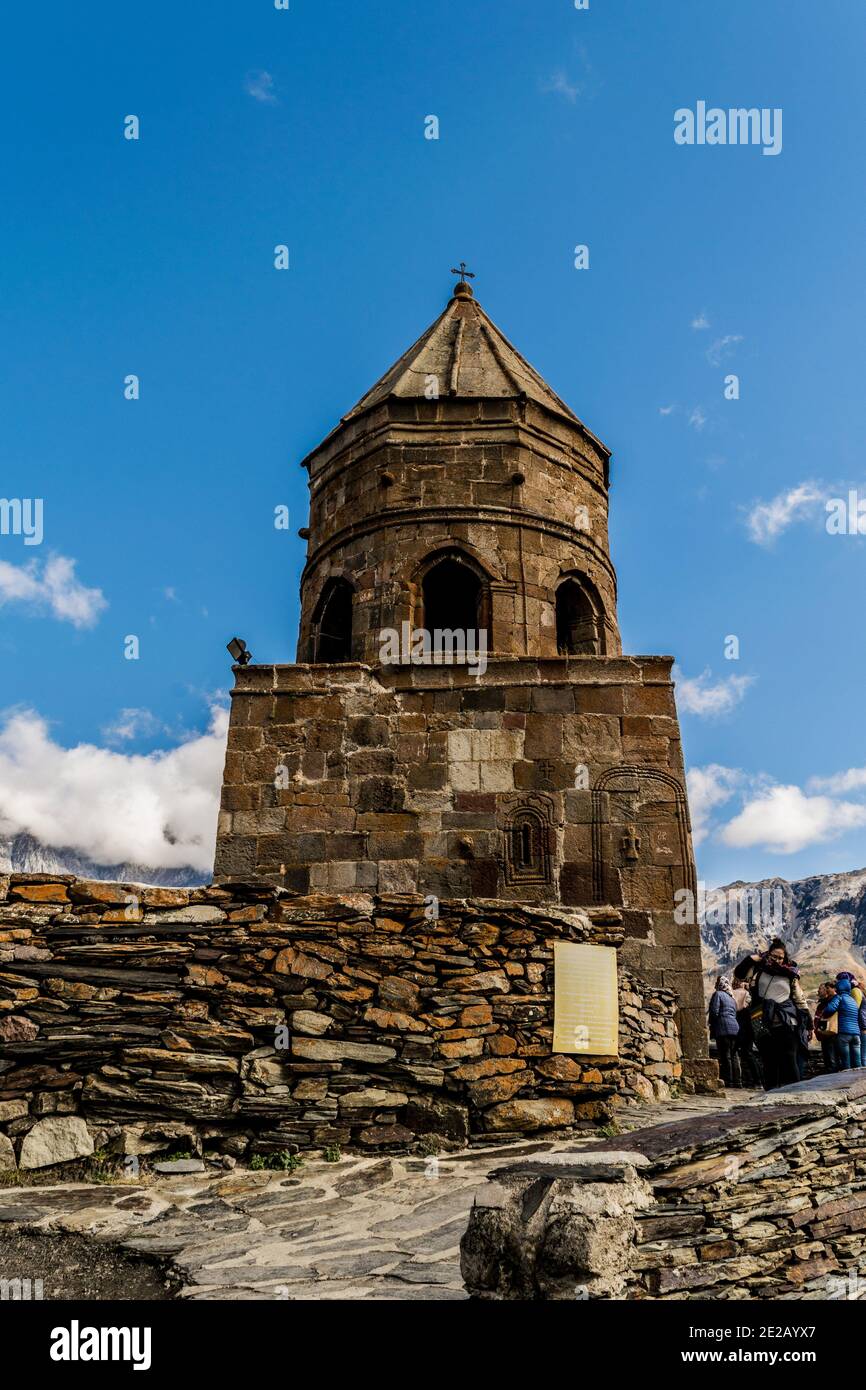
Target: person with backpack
(723, 1025)
(750, 1062)
(846, 1002)
(827, 1027)
(777, 995)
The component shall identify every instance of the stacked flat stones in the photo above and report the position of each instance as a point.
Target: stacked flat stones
(247, 1020)
(765, 1201)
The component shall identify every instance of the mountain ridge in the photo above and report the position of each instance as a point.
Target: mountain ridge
(821, 919)
(24, 854)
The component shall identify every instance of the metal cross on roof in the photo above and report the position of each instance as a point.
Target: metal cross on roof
(463, 273)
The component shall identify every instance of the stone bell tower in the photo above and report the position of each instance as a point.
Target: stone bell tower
(462, 495)
(460, 456)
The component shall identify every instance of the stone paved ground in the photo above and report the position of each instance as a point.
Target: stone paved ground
(372, 1228)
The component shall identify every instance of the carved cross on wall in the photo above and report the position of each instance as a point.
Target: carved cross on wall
(630, 846)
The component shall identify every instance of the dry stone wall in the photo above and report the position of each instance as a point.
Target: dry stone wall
(763, 1201)
(245, 1019)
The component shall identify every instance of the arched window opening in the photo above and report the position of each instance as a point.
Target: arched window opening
(453, 597)
(332, 623)
(579, 629)
(528, 848)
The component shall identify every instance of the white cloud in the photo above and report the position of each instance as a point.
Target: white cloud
(854, 780)
(585, 84)
(697, 419)
(700, 321)
(560, 84)
(709, 788)
(130, 724)
(158, 809)
(666, 409)
(53, 586)
(723, 348)
(784, 820)
(260, 85)
(700, 695)
(767, 520)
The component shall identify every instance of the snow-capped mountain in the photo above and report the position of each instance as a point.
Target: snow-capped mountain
(22, 854)
(822, 921)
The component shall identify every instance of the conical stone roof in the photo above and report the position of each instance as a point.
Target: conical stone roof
(469, 357)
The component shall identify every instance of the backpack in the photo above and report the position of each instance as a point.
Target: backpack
(760, 1029)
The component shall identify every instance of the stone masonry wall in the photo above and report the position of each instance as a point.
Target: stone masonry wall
(519, 490)
(766, 1201)
(401, 779)
(406, 780)
(250, 1020)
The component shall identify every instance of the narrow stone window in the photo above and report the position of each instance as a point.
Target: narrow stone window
(453, 597)
(527, 847)
(579, 627)
(527, 850)
(332, 623)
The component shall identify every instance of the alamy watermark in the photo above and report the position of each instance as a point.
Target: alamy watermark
(415, 646)
(850, 1287)
(713, 125)
(845, 517)
(22, 516)
(77, 1343)
(760, 907)
(21, 1290)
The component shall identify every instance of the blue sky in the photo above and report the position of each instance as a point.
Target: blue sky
(306, 127)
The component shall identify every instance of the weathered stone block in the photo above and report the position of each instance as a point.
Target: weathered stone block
(56, 1140)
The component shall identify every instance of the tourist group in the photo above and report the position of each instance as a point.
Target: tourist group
(762, 1025)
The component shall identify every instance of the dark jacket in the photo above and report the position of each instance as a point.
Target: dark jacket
(722, 1015)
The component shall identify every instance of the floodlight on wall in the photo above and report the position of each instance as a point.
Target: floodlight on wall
(237, 648)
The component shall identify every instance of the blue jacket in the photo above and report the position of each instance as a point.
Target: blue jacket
(723, 1015)
(844, 1003)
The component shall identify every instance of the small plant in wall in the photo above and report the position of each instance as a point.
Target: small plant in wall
(332, 1153)
(102, 1166)
(280, 1162)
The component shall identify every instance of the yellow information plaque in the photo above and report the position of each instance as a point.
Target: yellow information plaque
(585, 1002)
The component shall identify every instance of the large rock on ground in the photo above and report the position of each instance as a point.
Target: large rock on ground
(56, 1140)
(7, 1154)
(558, 1227)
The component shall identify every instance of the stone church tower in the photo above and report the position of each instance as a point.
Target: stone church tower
(462, 494)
